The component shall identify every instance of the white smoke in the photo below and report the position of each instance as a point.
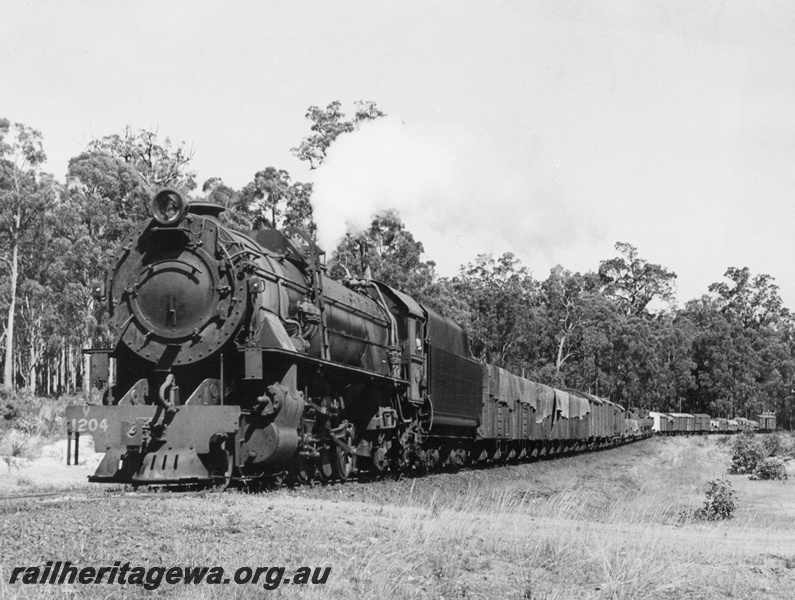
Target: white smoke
(456, 195)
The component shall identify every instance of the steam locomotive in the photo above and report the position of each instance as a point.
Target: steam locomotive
(237, 358)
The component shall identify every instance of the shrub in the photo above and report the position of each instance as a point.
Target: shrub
(15, 444)
(9, 411)
(748, 451)
(27, 424)
(23, 412)
(18, 447)
(770, 468)
(774, 445)
(720, 502)
(779, 444)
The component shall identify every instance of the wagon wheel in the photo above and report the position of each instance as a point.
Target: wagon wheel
(301, 471)
(417, 463)
(343, 462)
(325, 467)
(432, 462)
(379, 460)
(221, 462)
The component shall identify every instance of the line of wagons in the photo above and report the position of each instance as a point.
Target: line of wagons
(684, 423)
(521, 418)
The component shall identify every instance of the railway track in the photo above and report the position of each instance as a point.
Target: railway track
(271, 482)
(93, 496)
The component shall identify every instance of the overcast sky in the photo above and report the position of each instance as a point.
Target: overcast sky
(549, 129)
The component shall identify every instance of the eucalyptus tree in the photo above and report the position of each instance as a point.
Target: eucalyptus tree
(108, 189)
(234, 214)
(328, 124)
(265, 196)
(26, 193)
(498, 296)
(565, 299)
(633, 282)
(159, 163)
(389, 252)
(744, 346)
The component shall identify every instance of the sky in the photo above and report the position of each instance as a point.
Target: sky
(551, 129)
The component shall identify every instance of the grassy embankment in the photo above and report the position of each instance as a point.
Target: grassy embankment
(615, 524)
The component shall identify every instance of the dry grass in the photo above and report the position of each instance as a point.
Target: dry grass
(610, 525)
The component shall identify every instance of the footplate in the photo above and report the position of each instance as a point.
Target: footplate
(170, 452)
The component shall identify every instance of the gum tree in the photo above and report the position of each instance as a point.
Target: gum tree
(25, 195)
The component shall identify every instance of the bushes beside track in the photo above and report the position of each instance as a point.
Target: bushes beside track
(720, 501)
(27, 422)
(762, 456)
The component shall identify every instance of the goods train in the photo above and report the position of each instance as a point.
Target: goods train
(699, 424)
(237, 358)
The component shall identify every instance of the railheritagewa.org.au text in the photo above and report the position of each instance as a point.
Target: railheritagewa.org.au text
(152, 577)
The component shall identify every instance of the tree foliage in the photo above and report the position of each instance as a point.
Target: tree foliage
(754, 301)
(743, 348)
(65, 236)
(494, 294)
(328, 124)
(157, 163)
(389, 252)
(234, 214)
(25, 195)
(633, 283)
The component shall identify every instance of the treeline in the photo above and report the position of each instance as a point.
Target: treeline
(614, 331)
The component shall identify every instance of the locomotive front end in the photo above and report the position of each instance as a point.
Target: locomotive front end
(176, 295)
(236, 356)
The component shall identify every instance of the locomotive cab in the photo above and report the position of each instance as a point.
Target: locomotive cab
(410, 319)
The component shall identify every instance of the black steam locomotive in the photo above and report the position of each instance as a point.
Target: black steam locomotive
(236, 357)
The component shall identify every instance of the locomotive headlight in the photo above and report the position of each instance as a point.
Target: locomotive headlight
(168, 206)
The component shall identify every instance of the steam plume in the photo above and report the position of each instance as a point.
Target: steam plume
(457, 197)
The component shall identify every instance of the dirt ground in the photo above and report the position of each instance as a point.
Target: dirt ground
(49, 471)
